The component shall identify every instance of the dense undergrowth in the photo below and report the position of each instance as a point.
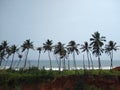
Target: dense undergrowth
(12, 78)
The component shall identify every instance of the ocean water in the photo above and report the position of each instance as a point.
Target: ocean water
(45, 64)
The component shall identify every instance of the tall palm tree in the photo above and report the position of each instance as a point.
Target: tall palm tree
(47, 46)
(3, 47)
(97, 42)
(8, 52)
(26, 46)
(39, 49)
(85, 48)
(72, 48)
(109, 48)
(14, 49)
(60, 50)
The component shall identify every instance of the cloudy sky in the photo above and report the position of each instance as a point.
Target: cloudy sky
(58, 20)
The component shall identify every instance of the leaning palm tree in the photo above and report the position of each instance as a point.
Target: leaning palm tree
(47, 46)
(61, 52)
(85, 48)
(39, 49)
(97, 42)
(26, 46)
(109, 48)
(14, 49)
(72, 48)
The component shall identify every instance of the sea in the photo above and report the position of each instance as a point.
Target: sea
(45, 64)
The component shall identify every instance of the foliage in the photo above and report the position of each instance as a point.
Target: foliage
(12, 78)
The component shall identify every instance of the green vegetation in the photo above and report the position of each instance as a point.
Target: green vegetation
(11, 77)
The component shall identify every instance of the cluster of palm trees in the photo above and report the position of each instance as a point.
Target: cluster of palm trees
(61, 51)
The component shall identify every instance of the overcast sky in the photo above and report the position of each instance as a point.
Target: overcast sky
(58, 20)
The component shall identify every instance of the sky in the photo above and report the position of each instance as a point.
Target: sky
(58, 20)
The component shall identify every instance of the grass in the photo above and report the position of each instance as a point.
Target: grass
(16, 78)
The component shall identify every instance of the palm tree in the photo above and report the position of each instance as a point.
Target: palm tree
(39, 49)
(26, 46)
(8, 52)
(14, 49)
(72, 48)
(85, 48)
(60, 50)
(47, 46)
(3, 47)
(109, 48)
(97, 42)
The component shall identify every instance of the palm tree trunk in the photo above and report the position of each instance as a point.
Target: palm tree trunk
(56, 60)
(68, 64)
(50, 60)
(110, 62)
(84, 63)
(6, 63)
(18, 63)
(0, 62)
(91, 61)
(59, 65)
(99, 63)
(12, 61)
(111, 58)
(26, 58)
(39, 60)
(1, 59)
(88, 60)
(64, 67)
(74, 60)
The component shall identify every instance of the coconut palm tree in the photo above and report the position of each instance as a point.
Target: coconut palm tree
(39, 49)
(109, 48)
(14, 49)
(27, 45)
(72, 48)
(97, 42)
(60, 50)
(3, 47)
(85, 48)
(47, 46)
(8, 52)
